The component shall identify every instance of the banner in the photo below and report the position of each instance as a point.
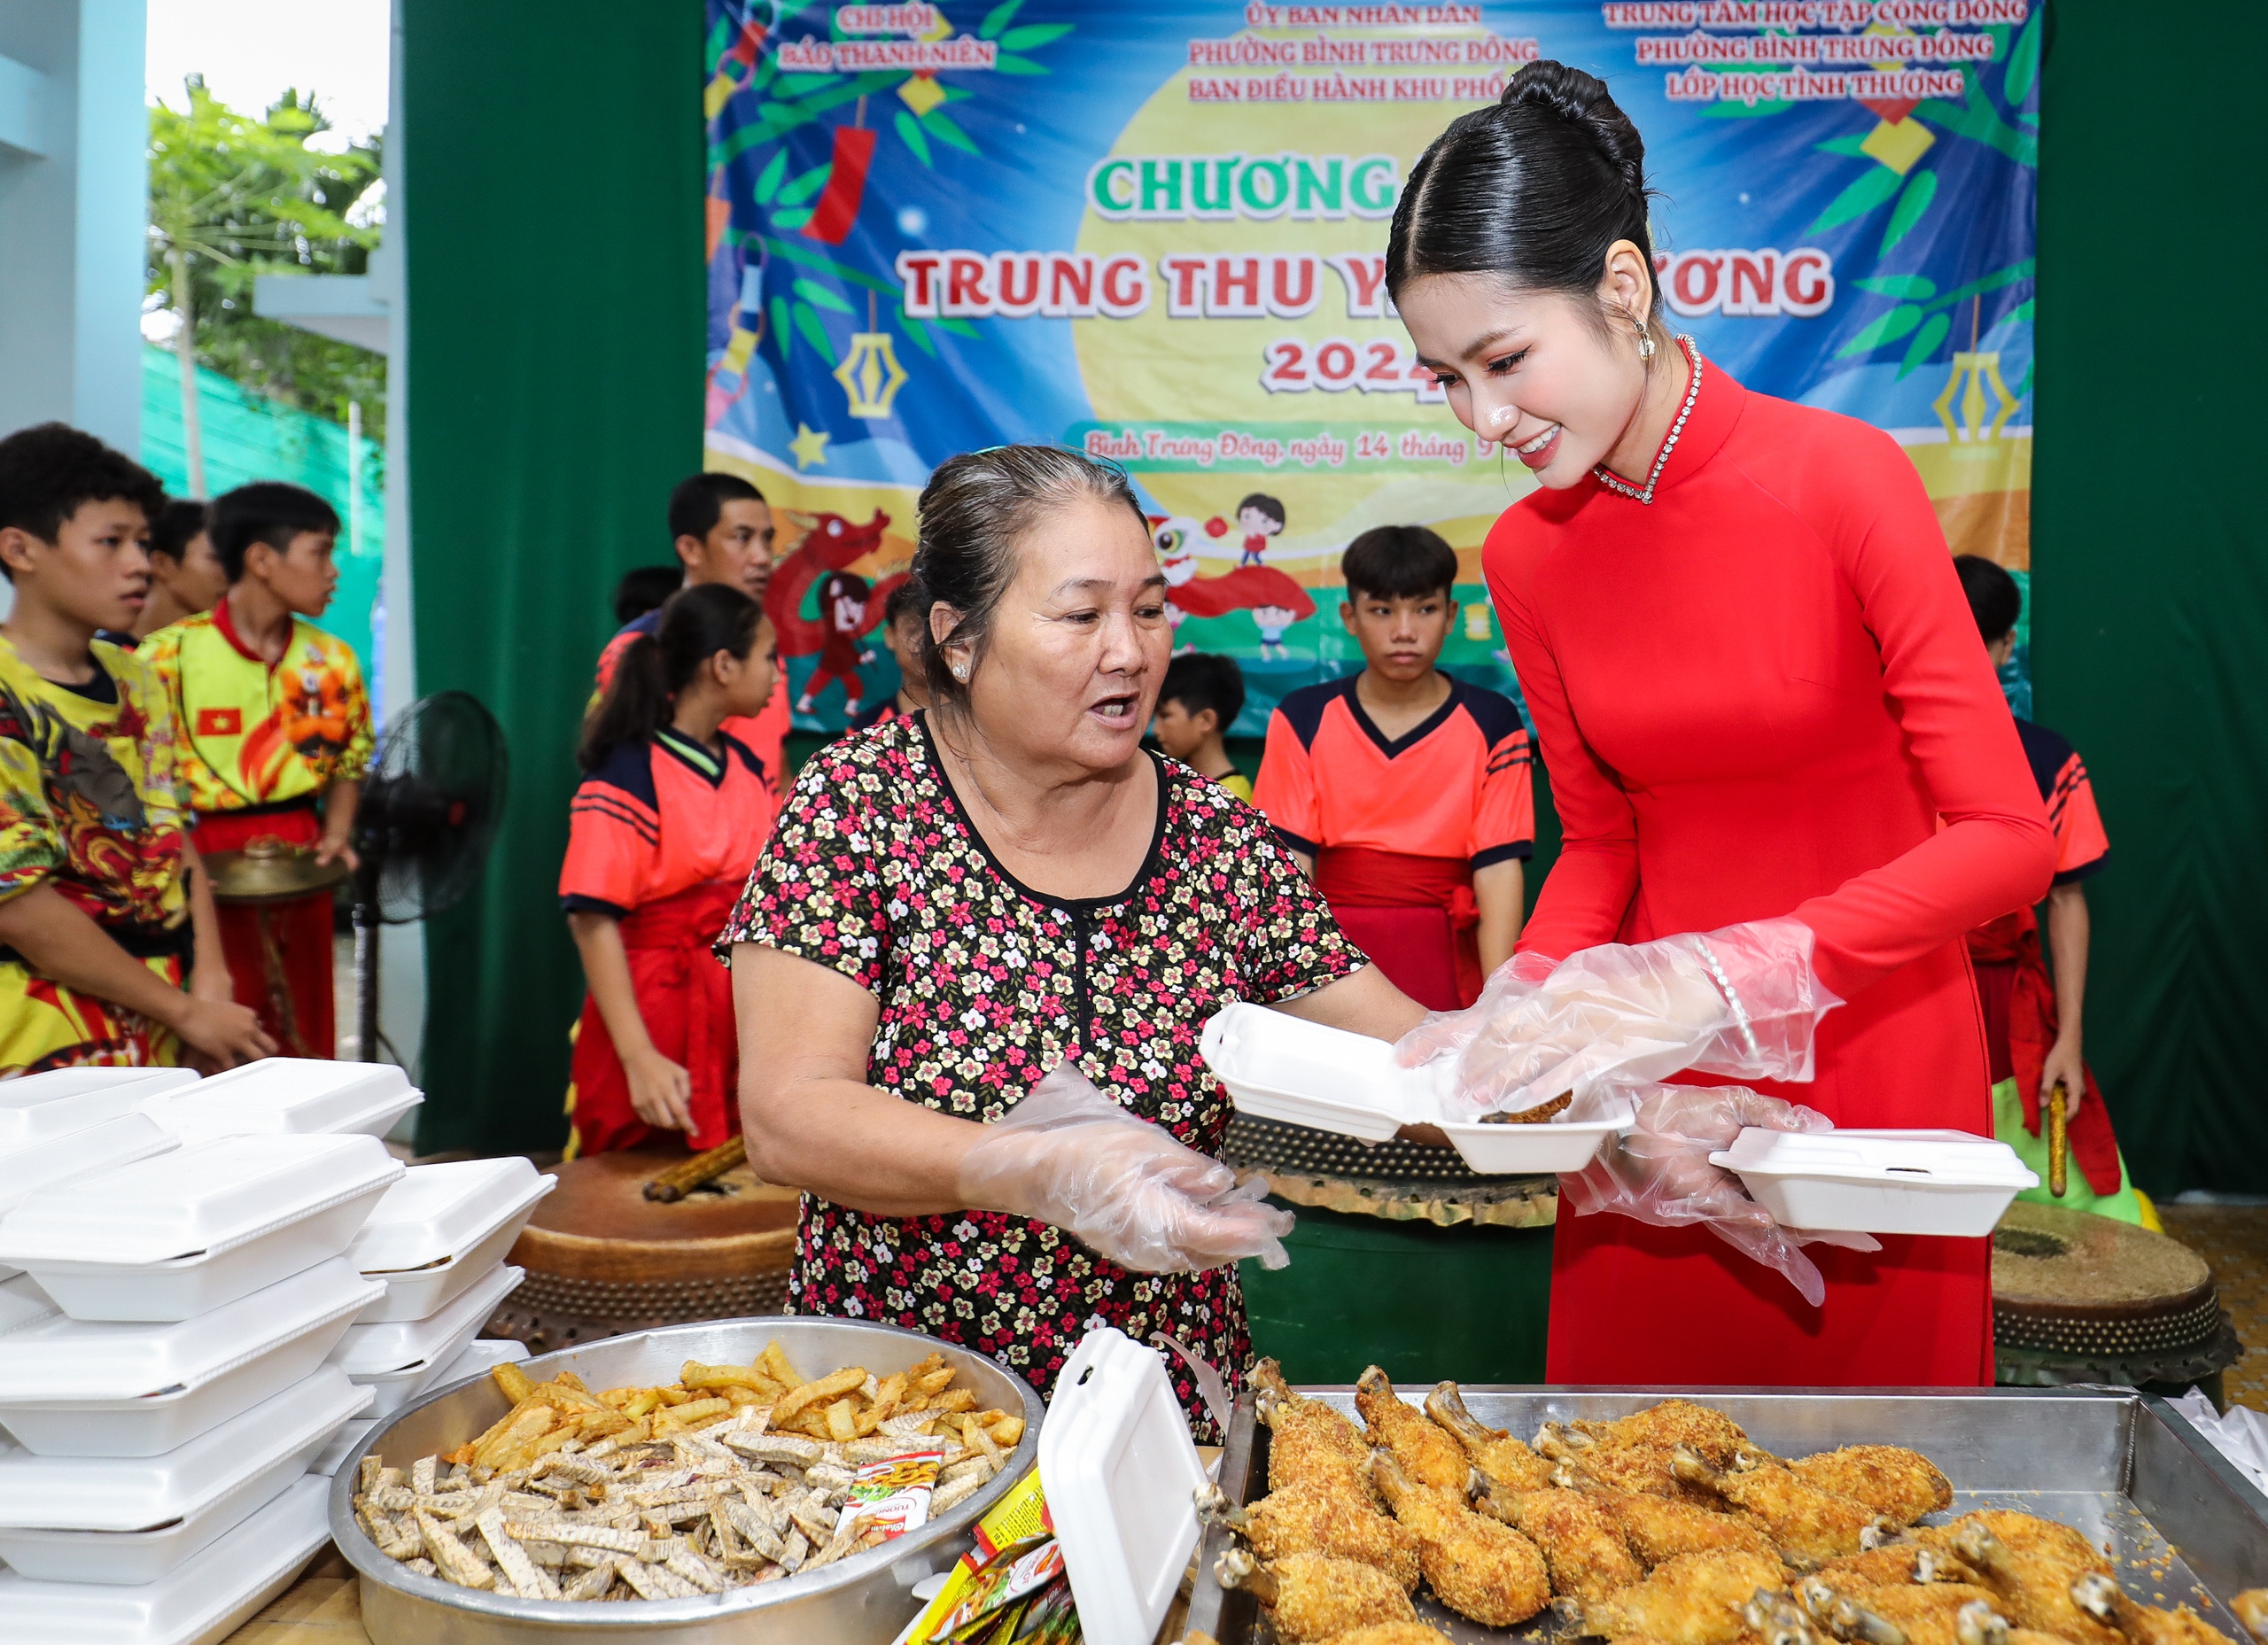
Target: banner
(1156, 232)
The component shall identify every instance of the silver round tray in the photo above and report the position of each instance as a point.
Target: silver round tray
(858, 1601)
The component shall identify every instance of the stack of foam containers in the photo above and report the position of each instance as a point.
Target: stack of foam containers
(437, 1242)
(173, 1285)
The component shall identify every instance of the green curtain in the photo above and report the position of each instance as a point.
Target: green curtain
(2151, 635)
(552, 187)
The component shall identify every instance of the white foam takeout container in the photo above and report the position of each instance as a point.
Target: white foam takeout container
(27, 1168)
(476, 1359)
(39, 1106)
(1279, 1068)
(300, 1094)
(123, 1521)
(439, 1228)
(187, 1231)
(73, 1388)
(400, 1361)
(1869, 1182)
(202, 1599)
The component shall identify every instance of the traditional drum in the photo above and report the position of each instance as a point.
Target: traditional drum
(604, 1256)
(2084, 1299)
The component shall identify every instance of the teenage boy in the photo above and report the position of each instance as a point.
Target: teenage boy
(1201, 699)
(101, 916)
(275, 734)
(722, 530)
(905, 623)
(185, 575)
(1405, 792)
(2033, 1021)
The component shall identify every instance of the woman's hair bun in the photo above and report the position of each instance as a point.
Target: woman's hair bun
(1583, 101)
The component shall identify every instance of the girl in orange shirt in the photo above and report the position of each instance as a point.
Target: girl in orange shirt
(670, 816)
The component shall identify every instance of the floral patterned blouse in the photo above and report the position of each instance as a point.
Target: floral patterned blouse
(984, 986)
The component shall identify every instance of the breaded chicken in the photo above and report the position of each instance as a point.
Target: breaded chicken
(1899, 1484)
(1390, 1634)
(1645, 1468)
(1582, 1547)
(1894, 1563)
(1808, 1524)
(2100, 1597)
(1313, 1596)
(2251, 1609)
(1424, 1451)
(1477, 1567)
(1309, 1443)
(1695, 1599)
(2030, 1565)
(1909, 1613)
(1505, 1460)
(1311, 1519)
(1707, 1433)
(1657, 1529)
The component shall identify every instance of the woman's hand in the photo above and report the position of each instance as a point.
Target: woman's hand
(1741, 1002)
(1069, 1156)
(2064, 1064)
(661, 1091)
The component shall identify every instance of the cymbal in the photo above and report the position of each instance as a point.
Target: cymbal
(268, 871)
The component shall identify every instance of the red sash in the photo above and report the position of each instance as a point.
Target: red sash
(685, 998)
(2019, 1002)
(1414, 916)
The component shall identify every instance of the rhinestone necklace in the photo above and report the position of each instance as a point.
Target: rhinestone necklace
(1623, 488)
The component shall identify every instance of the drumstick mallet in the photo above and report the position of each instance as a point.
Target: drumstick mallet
(2059, 1139)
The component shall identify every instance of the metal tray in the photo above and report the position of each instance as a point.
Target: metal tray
(860, 1600)
(2182, 1526)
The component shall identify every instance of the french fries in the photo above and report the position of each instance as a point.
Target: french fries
(733, 1474)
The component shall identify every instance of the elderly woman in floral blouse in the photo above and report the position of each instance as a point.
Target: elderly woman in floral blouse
(955, 904)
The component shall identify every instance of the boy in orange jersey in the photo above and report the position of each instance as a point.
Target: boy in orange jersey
(275, 729)
(1406, 792)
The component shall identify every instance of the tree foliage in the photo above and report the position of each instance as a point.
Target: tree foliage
(238, 197)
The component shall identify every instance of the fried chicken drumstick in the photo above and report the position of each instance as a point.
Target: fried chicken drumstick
(1707, 1433)
(2031, 1566)
(1426, 1453)
(1309, 1519)
(1656, 1528)
(1695, 1599)
(1478, 1568)
(1582, 1547)
(1309, 1443)
(2102, 1598)
(1511, 1465)
(1809, 1524)
(1313, 1596)
(1897, 1484)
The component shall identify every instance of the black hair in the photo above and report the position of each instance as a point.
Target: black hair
(644, 587)
(1199, 680)
(908, 598)
(1994, 600)
(176, 526)
(266, 511)
(974, 510)
(49, 470)
(1535, 187)
(697, 502)
(1398, 563)
(697, 624)
(1267, 505)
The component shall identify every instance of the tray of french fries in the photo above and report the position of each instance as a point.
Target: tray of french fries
(788, 1478)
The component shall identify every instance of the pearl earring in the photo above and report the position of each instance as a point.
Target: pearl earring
(1645, 340)
(960, 671)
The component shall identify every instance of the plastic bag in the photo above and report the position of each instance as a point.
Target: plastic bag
(1659, 1171)
(1068, 1155)
(1742, 1002)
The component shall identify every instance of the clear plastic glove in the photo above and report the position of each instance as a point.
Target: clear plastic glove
(1634, 1014)
(1659, 1171)
(1069, 1156)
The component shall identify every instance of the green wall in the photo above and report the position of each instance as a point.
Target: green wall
(552, 190)
(2150, 640)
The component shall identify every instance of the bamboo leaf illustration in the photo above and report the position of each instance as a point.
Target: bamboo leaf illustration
(1925, 342)
(916, 333)
(910, 131)
(812, 292)
(807, 186)
(1921, 188)
(1033, 36)
(1917, 287)
(1868, 192)
(998, 18)
(780, 328)
(807, 321)
(958, 328)
(2021, 315)
(2023, 63)
(941, 126)
(1848, 146)
(1992, 282)
(767, 180)
(1883, 329)
(1006, 64)
(792, 219)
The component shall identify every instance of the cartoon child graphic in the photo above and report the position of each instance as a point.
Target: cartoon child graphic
(1273, 620)
(843, 603)
(1262, 516)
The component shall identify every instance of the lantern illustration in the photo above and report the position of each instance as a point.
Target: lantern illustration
(1974, 372)
(870, 374)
